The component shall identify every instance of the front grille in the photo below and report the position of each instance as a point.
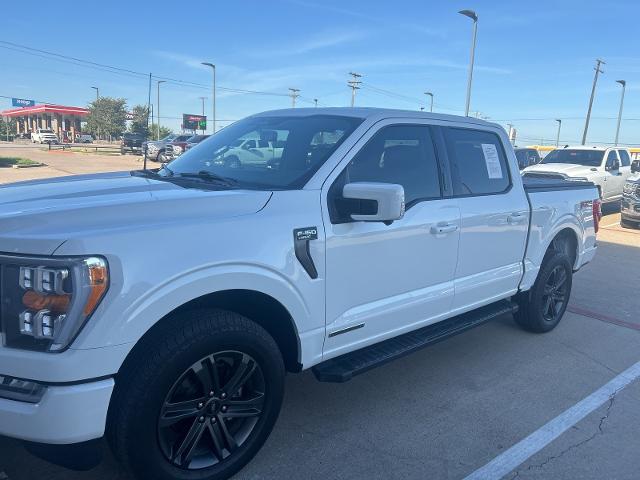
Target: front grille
(632, 189)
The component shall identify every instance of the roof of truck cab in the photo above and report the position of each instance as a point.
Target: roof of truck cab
(584, 147)
(372, 113)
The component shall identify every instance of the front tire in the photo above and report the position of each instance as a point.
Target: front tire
(542, 308)
(198, 399)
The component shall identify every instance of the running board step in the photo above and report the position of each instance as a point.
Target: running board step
(345, 367)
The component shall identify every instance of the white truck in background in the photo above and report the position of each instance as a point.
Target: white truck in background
(44, 135)
(607, 167)
(372, 233)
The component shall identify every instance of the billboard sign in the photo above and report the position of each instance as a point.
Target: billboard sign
(194, 122)
(21, 102)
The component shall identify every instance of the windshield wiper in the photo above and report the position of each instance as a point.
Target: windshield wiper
(208, 176)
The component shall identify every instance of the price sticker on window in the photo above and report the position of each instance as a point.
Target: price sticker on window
(492, 160)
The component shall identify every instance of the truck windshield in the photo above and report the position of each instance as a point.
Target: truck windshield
(588, 158)
(265, 152)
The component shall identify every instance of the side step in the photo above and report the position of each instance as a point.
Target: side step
(343, 368)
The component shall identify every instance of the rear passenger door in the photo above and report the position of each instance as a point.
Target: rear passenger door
(625, 164)
(613, 176)
(494, 217)
(385, 279)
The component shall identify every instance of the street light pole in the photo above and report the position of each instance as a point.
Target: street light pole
(430, 95)
(473, 16)
(558, 134)
(158, 111)
(203, 99)
(294, 93)
(213, 68)
(593, 92)
(624, 86)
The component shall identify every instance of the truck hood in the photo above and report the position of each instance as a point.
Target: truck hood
(565, 169)
(36, 217)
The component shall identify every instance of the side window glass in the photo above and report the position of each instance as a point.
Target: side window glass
(625, 160)
(400, 154)
(478, 162)
(611, 158)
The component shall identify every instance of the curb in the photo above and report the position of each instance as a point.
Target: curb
(29, 166)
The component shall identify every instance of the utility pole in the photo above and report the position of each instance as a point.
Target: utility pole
(158, 110)
(473, 16)
(315, 100)
(558, 134)
(294, 93)
(593, 92)
(429, 94)
(510, 125)
(354, 83)
(203, 99)
(624, 86)
(213, 68)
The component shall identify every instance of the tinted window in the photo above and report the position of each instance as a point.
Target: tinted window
(611, 158)
(400, 154)
(588, 158)
(625, 160)
(291, 158)
(478, 162)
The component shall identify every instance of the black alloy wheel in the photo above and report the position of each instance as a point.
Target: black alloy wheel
(554, 296)
(211, 410)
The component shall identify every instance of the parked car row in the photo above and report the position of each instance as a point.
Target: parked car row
(171, 146)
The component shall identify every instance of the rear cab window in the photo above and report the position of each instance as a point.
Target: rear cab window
(478, 162)
(625, 159)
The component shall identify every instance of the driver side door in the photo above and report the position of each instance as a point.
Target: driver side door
(384, 279)
(614, 180)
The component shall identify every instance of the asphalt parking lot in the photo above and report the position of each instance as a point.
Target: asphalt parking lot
(454, 408)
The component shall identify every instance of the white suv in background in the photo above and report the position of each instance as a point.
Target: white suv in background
(608, 168)
(44, 135)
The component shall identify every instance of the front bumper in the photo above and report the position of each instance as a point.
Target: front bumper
(66, 414)
(630, 208)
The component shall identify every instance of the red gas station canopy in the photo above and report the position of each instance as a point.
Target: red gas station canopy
(59, 109)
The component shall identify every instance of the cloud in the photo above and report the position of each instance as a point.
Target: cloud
(318, 42)
(369, 18)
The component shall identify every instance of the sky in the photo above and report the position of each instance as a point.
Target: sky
(534, 59)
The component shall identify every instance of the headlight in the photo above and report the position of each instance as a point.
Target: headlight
(177, 150)
(46, 302)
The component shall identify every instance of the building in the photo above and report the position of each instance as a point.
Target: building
(64, 121)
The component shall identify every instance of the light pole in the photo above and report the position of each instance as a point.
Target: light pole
(97, 98)
(430, 95)
(624, 86)
(472, 15)
(593, 92)
(558, 134)
(213, 91)
(203, 99)
(315, 101)
(158, 111)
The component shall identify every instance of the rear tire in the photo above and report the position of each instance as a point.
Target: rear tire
(198, 399)
(542, 308)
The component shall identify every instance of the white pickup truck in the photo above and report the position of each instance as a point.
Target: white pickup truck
(44, 135)
(607, 167)
(161, 309)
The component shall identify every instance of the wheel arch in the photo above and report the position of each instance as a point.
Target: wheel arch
(257, 306)
(565, 241)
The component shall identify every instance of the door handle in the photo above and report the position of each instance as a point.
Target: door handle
(516, 218)
(444, 228)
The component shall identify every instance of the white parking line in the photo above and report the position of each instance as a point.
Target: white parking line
(521, 451)
(611, 225)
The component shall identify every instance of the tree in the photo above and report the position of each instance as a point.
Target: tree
(164, 131)
(140, 120)
(107, 117)
(7, 129)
